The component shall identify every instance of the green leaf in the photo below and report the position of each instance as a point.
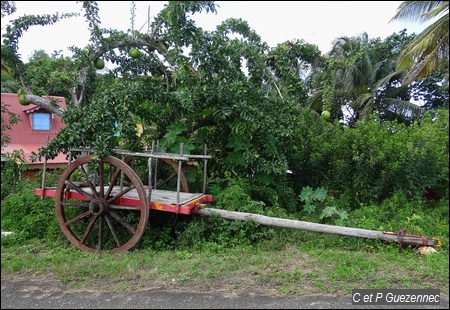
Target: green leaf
(309, 208)
(306, 194)
(343, 215)
(328, 212)
(320, 194)
(236, 158)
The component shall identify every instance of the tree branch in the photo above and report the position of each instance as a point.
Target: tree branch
(41, 102)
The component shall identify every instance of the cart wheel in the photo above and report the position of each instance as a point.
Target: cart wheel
(167, 176)
(101, 205)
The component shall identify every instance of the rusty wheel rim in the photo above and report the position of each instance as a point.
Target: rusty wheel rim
(94, 208)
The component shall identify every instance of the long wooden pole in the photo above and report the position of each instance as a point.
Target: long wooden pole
(322, 228)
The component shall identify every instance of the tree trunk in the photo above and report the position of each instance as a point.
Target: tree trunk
(403, 239)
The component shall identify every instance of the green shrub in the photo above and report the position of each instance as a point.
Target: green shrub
(319, 206)
(11, 170)
(222, 233)
(28, 216)
(370, 162)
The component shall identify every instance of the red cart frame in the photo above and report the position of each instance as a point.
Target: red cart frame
(102, 204)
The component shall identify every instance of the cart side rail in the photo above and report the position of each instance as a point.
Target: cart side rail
(151, 154)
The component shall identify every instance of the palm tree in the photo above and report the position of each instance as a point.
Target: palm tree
(354, 77)
(429, 50)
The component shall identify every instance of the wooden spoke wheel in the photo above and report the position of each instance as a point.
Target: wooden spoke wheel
(101, 205)
(167, 175)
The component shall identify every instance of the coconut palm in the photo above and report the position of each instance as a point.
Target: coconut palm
(357, 78)
(429, 50)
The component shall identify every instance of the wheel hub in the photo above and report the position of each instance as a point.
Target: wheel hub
(97, 207)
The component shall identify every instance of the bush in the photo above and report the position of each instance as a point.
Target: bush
(369, 163)
(376, 175)
(28, 216)
(13, 167)
(400, 214)
(223, 233)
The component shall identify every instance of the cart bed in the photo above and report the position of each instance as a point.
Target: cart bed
(162, 200)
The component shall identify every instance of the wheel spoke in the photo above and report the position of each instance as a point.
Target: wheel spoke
(120, 194)
(77, 218)
(100, 232)
(113, 231)
(122, 207)
(101, 177)
(73, 186)
(122, 221)
(113, 181)
(171, 171)
(89, 183)
(170, 177)
(88, 229)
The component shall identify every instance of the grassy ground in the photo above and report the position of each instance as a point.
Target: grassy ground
(214, 254)
(302, 263)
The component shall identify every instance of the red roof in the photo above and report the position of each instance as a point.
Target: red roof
(22, 135)
(29, 148)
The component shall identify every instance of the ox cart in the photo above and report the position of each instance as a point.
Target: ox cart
(103, 204)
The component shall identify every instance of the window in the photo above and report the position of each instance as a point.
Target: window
(40, 121)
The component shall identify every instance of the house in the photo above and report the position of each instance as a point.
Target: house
(37, 126)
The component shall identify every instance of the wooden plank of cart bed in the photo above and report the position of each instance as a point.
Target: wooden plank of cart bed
(159, 195)
(170, 197)
(164, 200)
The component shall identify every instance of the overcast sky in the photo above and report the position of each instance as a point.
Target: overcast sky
(316, 22)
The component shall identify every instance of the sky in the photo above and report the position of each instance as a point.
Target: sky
(316, 22)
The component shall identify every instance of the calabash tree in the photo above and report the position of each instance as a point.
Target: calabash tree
(225, 88)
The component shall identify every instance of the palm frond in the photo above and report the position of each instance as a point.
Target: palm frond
(386, 79)
(426, 53)
(314, 101)
(420, 11)
(9, 86)
(429, 50)
(363, 104)
(403, 107)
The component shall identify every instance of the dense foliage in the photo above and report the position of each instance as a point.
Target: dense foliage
(340, 176)
(372, 161)
(256, 108)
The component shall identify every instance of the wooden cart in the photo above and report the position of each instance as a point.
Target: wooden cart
(103, 204)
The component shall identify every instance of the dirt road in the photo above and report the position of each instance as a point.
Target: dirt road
(38, 293)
